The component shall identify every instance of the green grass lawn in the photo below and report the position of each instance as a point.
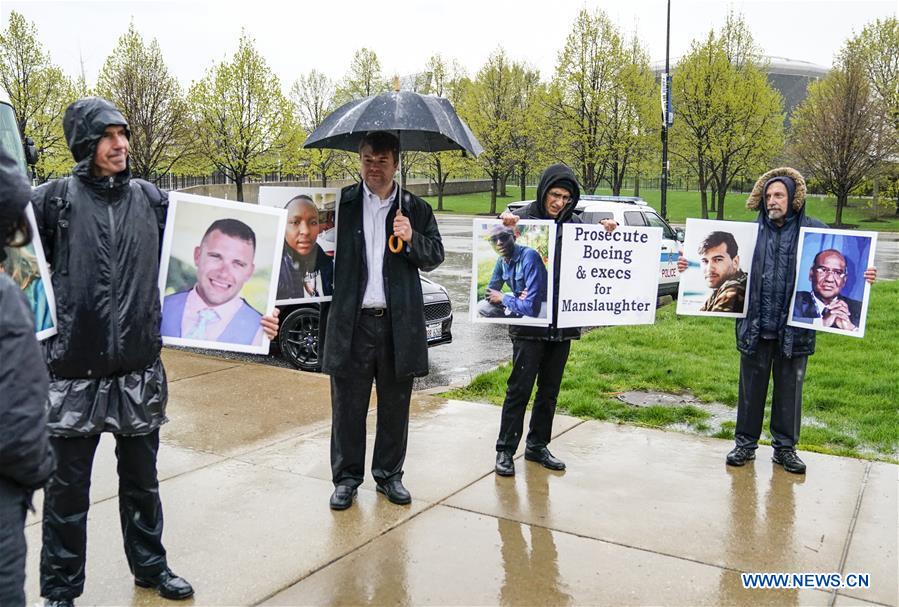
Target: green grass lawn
(851, 388)
(682, 205)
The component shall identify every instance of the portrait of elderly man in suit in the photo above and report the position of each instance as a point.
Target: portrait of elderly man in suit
(825, 305)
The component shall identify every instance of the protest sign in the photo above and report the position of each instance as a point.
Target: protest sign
(608, 278)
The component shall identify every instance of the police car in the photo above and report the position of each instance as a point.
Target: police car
(632, 211)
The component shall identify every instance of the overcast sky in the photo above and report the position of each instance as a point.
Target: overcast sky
(296, 36)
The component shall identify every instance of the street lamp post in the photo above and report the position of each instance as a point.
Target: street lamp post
(666, 116)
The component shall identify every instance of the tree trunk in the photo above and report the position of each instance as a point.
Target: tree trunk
(239, 183)
(494, 181)
(703, 202)
(722, 192)
(523, 184)
(841, 202)
(324, 179)
(637, 185)
(502, 185)
(439, 197)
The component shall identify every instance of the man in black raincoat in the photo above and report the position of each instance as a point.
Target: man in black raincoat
(768, 346)
(375, 328)
(102, 231)
(26, 461)
(539, 354)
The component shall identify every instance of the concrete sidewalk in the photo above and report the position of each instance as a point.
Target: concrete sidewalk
(640, 516)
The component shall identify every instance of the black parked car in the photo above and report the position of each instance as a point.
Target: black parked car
(298, 335)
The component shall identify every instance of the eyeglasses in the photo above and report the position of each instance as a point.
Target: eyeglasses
(822, 271)
(565, 198)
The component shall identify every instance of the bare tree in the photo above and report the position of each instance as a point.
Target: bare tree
(841, 132)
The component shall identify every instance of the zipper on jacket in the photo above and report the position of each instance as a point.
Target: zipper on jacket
(113, 286)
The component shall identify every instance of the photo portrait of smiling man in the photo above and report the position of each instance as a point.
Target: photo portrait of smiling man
(213, 310)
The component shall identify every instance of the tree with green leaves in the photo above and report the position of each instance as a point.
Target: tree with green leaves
(364, 78)
(841, 133)
(529, 139)
(313, 98)
(580, 94)
(730, 119)
(243, 120)
(632, 124)
(39, 92)
(877, 49)
(136, 79)
(488, 106)
(444, 79)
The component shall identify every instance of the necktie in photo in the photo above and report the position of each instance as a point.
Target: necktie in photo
(205, 317)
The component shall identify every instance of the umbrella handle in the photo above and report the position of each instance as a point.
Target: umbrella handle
(395, 244)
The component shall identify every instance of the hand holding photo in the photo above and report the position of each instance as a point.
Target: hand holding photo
(218, 273)
(831, 293)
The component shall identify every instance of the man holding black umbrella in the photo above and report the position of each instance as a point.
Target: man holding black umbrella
(375, 330)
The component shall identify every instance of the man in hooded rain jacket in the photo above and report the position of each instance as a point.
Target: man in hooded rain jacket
(768, 346)
(102, 231)
(539, 354)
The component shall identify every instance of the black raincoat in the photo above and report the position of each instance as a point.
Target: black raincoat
(401, 285)
(537, 210)
(102, 236)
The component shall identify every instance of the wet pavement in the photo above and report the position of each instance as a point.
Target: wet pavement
(640, 517)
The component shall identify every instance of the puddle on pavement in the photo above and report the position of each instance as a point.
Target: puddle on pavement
(718, 413)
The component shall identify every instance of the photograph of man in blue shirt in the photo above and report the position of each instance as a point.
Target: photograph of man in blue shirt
(523, 270)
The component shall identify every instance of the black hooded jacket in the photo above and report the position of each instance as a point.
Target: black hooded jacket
(102, 236)
(537, 210)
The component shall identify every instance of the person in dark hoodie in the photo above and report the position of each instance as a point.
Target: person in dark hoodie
(102, 230)
(768, 346)
(539, 354)
(26, 461)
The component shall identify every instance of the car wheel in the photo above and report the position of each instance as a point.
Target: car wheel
(298, 339)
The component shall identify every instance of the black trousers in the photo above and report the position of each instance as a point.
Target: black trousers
(373, 360)
(13, 504)
(786, 404)
(66, 502)
(543, 362)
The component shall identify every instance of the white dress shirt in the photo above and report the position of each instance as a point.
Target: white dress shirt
(374, 218)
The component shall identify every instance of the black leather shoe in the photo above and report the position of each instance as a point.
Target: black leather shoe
(738, 456)
(342, 498)
(167, 585)
(543, 457)
(505, 465)
(59, 603)
(789, 460)
(395, 492)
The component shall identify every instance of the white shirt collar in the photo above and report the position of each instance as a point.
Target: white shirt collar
(369, 195)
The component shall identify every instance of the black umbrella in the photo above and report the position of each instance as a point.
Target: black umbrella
(423, 123)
